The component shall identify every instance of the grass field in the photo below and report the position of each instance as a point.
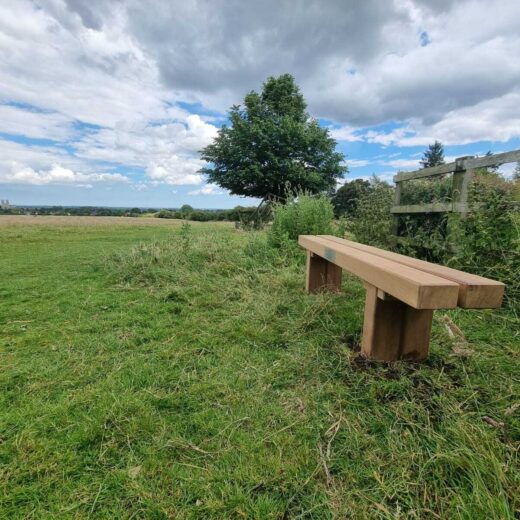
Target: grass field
(168, 371)
(54, 220)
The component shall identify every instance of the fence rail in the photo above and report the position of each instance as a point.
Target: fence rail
(463, 169)
(434, 207)
(462, 163)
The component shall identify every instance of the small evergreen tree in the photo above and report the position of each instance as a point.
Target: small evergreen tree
(433, 156)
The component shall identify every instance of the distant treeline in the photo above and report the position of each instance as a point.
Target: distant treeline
(236, 214)
(89, 211)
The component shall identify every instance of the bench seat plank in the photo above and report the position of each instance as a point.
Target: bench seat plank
(417, 288)
(475, 292)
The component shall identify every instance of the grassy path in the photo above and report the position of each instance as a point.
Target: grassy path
(191, 377)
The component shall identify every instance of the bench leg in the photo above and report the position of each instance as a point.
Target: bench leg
(393, 330)
(322, 275)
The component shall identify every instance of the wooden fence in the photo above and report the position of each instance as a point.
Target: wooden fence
(463, 170)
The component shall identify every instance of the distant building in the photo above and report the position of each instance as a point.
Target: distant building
(4, 204)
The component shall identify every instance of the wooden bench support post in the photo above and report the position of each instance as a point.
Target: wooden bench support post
(393, 330)
(400, 291)
(322, 275)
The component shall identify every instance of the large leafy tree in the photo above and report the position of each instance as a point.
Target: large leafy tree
(272, 146)
(346, 199)
(433, 156)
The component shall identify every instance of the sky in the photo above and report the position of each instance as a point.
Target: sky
(108, 102)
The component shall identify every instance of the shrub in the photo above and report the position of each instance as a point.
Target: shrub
(165, 213)
(253, 218)
(185, 209)
(373, 221)
(346, 198)
(426, 191)
(488, 240)
(304, 215)
(425, 236)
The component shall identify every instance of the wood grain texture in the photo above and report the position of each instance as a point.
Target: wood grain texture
(381, 327)
(393, 330)
(475, 292)
(437, 207)
(417, 288)
(322, 275)
(415, 333)
(441, 169)
(492, 160)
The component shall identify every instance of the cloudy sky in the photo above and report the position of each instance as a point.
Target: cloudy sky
(107, 102)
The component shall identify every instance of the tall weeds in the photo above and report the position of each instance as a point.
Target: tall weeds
(303, 215)
(487, 242)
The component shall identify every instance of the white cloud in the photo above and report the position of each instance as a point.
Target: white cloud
(175, 171)
(37, 157)
(106, 62)
(411, 164)
(50, 60)
(20, 174)
(471, 60)
(345, 133)
(490, 120)
(167, 151)
(357, 163)
(124, 66)
(209, 189)
(39, 125)
(43, 165)
(141, 186)
(507, 170)
(388, 138)
(96, 74)
(386, 176)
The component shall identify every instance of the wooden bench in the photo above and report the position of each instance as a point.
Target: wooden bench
(401, 292)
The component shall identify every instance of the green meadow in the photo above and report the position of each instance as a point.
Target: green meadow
(180, 371)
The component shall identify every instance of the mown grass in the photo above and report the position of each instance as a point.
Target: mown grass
(184, 373)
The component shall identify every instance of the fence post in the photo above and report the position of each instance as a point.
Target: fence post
(462, 178)
(397, 202)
